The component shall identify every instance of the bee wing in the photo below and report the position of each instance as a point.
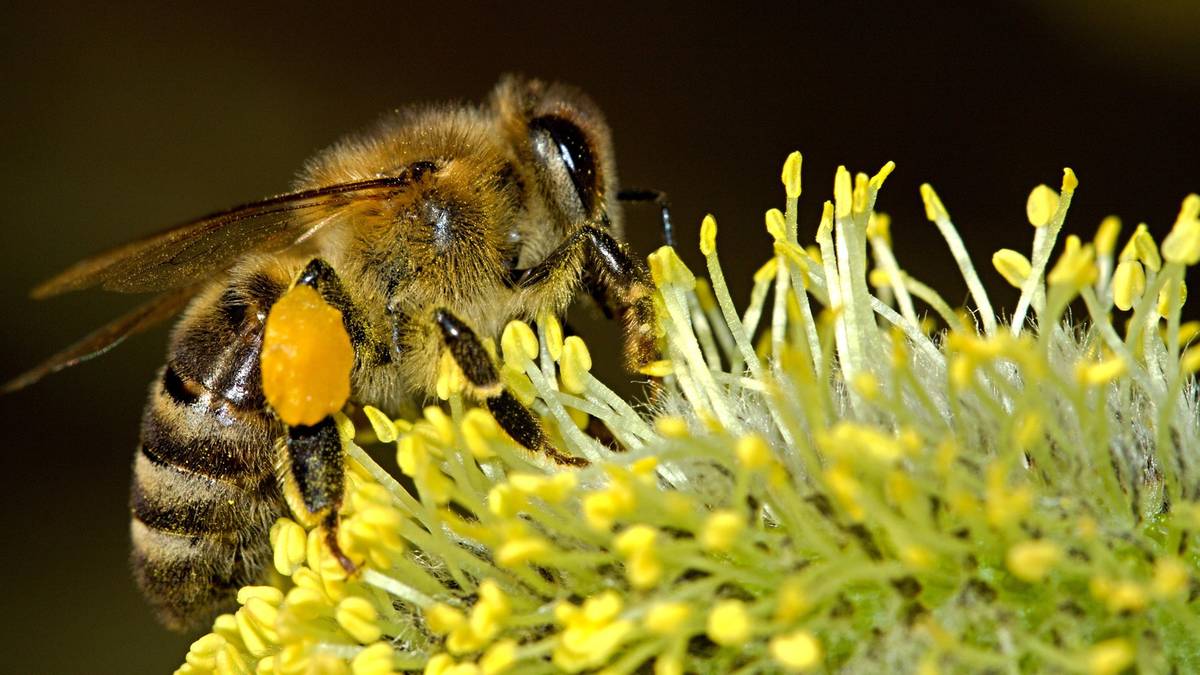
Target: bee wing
(194, 251)
(144, 316)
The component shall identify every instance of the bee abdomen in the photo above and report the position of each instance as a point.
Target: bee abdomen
(204, 491)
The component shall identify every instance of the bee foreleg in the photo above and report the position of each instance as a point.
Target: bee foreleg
(621, 285)
(659, 199)
(313, 477)
(476, 364)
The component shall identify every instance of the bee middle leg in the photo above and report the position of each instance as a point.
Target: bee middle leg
(476, 364)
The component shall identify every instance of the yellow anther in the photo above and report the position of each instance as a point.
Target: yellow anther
(671, 426)
(753, 452)
(440, 424)
(518, 383)
(523, 549)
(645, 468)
(288, 544)
(1164, 298)
(791, 175)
(1069, 181)
(843, 193)
(879, 225)
(665, 618)
(635, 539)
(1190, 361)
(884, 171)
(1128, 284)
(1012, 265)
(721, 530)
(268, 594)
(729, 623)
(1182, 244)
(384, 427)
(358, 617)
(1110, 657)
(796, 652)
(1032, 560)
(306, 358)
(708, 235)
(518, 343)
(1106, 235)
(1076, 266)
(1099, 374)
(866, 385)
(499, 658)
(552, 331)
(859, 199)
(450, 380)
(479, 431)
(576, 362)
(766, 273)
(1170, 578)
(1142, 247)
(441, 618)
(879, 278)
(504, 500)
(1041, 205)
(667, 268)
(660, 368)
(374, 660)
(934, 209)
(776, 226)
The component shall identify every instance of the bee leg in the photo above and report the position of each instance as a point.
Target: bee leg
(314, 475)
(619, 282)
(621, 285)
(476, 364)
(321, 276)
(659, 199)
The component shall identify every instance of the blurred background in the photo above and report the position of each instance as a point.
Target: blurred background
(120, 120)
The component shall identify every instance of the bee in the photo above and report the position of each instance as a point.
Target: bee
(428, 233)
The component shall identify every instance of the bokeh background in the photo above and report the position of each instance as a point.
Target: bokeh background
(118, 120)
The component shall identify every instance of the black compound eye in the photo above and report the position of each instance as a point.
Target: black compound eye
(576, 155)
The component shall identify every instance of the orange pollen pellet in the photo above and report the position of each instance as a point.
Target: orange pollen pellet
(306, 358)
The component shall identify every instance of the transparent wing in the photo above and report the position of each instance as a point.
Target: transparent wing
(144, 316)
(195, 251)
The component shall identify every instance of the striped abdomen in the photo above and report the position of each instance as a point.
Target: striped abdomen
(204, 489)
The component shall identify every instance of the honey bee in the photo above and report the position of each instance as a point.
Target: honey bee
(427, 233)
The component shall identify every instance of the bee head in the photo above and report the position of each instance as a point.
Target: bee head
(561, 135)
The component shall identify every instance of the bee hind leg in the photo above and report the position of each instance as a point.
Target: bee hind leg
(313, 474)
(476, 364)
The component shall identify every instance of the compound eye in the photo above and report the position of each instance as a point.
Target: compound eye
(575, 153)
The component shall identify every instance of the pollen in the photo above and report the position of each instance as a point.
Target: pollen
(306, 358)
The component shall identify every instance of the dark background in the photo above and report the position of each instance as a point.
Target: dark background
(117, 121)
